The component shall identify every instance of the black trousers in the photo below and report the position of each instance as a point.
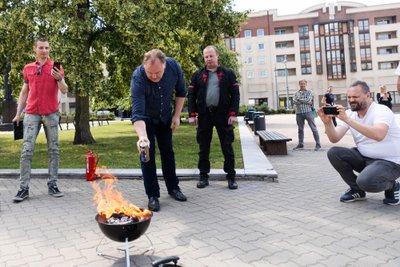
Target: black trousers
(163, 134)
(206, 123)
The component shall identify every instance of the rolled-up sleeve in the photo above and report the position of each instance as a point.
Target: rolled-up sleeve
(138, 96)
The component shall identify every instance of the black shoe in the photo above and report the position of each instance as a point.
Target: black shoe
(178, 195)
(232, 183)
(298, 147)
(21, 195)
(203, 182)
(53, 191)
(392, 197)
(317, 148)
(154, 204)
(352, 195)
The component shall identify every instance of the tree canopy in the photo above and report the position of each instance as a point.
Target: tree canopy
(100, 42)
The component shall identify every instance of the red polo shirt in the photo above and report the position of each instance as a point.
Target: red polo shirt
(43, 88)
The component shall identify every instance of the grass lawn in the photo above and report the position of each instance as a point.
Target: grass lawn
(116, 147)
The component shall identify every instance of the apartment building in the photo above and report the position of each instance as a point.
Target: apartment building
(326, 44)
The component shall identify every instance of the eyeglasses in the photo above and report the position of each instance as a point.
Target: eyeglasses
(39, 69)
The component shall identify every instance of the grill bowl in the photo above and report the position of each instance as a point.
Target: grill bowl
(119, 232)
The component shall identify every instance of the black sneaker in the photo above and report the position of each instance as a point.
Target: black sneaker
(232, 184)
(298, 147)
(352, 195)
(392, 197)
(317, 148)
(53, 191)
(21, 195)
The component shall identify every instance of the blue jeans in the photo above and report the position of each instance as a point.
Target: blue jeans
(374, 175)
(309, 117)
(163, 133)
(32, 125)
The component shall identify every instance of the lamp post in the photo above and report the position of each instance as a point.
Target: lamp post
(276, 88)
(287, 84)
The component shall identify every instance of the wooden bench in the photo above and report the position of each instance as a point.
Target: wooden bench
(103, 118)
(273, 142)
(66, 120)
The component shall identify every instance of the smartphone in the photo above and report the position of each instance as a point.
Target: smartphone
(330, 110)
(57, 64)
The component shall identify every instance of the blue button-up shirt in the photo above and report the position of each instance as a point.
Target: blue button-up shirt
(152, 100)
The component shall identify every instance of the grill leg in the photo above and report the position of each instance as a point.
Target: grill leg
(128, 261)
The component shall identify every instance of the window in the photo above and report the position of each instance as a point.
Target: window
(386, 35)
(263, 73)
(365, 39)
(260, 32)
(303, 31)
(365, 54)
(304, 44)
(363, 25)
(281, 73)
(366, 66)
(280, 58)
(248, 47)
(281, 45)
(250, 74)
(305, 58)
(232, 43)
(305, 70)
(262, 60)
(247, 33)
(387, 50)
(261, 46)
(280, 31)
(387, 65)
(249, 61)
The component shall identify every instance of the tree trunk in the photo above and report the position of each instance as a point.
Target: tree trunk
(83, 136)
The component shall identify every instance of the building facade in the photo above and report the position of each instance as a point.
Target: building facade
(326, 44)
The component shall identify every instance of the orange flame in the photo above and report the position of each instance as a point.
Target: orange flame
(110, 201)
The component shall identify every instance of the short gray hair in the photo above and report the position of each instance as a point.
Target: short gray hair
(152, 55)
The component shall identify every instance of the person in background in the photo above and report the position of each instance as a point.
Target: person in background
(384, 97)
(214, 98)
(373, 165)
(303, 99)
(329, 100)
(152, 87)
(39, 94)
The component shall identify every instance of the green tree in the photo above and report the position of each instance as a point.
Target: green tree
(97, 37)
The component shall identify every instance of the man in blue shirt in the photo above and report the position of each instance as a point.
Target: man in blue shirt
(152, 86)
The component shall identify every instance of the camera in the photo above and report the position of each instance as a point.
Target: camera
(57, 64)
(330, 110)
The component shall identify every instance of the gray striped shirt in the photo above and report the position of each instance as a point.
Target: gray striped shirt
(303, 101)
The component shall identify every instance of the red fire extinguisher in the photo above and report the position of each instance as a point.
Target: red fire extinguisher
(91, 162)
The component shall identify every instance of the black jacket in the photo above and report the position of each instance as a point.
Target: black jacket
(229, 95)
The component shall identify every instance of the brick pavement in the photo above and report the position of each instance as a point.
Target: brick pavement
(297, 221)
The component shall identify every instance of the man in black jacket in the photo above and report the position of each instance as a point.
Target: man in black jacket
(213, 100)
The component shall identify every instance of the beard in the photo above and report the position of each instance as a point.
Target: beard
(355, 106)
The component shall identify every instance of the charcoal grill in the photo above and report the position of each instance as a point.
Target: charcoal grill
(123, 233)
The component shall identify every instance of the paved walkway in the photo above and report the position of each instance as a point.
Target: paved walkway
(297, 221)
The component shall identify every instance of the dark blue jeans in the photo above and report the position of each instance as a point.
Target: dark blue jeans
(163, 134)
(374, 175)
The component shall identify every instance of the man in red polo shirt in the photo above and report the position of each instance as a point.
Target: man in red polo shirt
(39, 97)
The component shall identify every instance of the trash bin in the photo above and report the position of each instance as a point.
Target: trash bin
(259, 121)
(249, 115)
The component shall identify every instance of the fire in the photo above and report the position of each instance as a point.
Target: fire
(110, 201)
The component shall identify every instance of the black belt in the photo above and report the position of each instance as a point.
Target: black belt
(211, 109)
